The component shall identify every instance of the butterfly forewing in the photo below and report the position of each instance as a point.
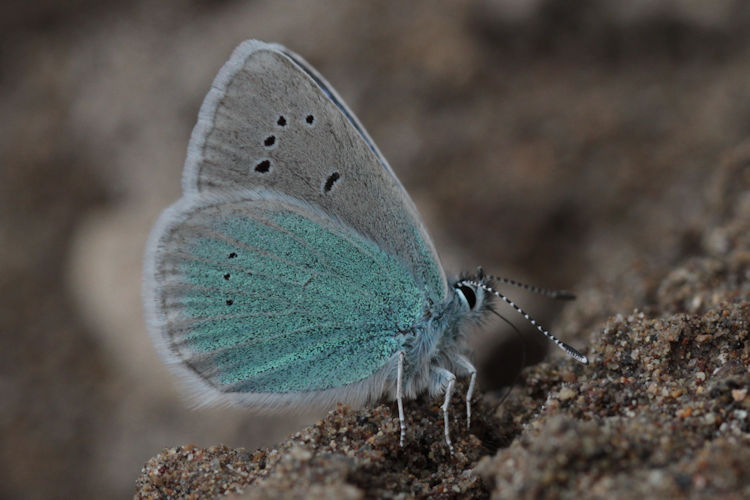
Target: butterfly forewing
(272, 121)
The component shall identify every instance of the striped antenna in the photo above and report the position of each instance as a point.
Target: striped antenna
(555, 294)
(570, 351)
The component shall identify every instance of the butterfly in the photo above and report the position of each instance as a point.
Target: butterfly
(295, 271)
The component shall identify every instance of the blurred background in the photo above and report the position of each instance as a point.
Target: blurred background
(569, 144)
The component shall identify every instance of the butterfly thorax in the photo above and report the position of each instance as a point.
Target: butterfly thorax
(438, 340)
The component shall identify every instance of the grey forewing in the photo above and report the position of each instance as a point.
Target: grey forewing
(329, 162)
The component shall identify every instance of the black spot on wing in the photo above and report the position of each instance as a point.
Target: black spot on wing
(263, 166)
(330, 181)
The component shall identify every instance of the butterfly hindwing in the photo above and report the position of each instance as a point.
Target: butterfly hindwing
(271, 121)
(259, 294)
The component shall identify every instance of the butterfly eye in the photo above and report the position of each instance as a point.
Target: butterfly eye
(468, 295)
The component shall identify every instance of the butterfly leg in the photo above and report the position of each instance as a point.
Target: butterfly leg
(400, 396)
(448, 380)
(472, 371)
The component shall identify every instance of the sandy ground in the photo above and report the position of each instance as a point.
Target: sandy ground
(594, 147)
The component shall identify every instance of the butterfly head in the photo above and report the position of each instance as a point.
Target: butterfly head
(475, 292)
(472, 292)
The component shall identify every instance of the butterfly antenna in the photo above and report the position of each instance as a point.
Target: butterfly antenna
(555, 294)
(569, 350)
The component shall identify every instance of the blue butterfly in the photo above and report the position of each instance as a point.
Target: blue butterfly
(295, 270)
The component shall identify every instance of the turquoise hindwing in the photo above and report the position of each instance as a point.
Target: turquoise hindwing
(266, 295)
